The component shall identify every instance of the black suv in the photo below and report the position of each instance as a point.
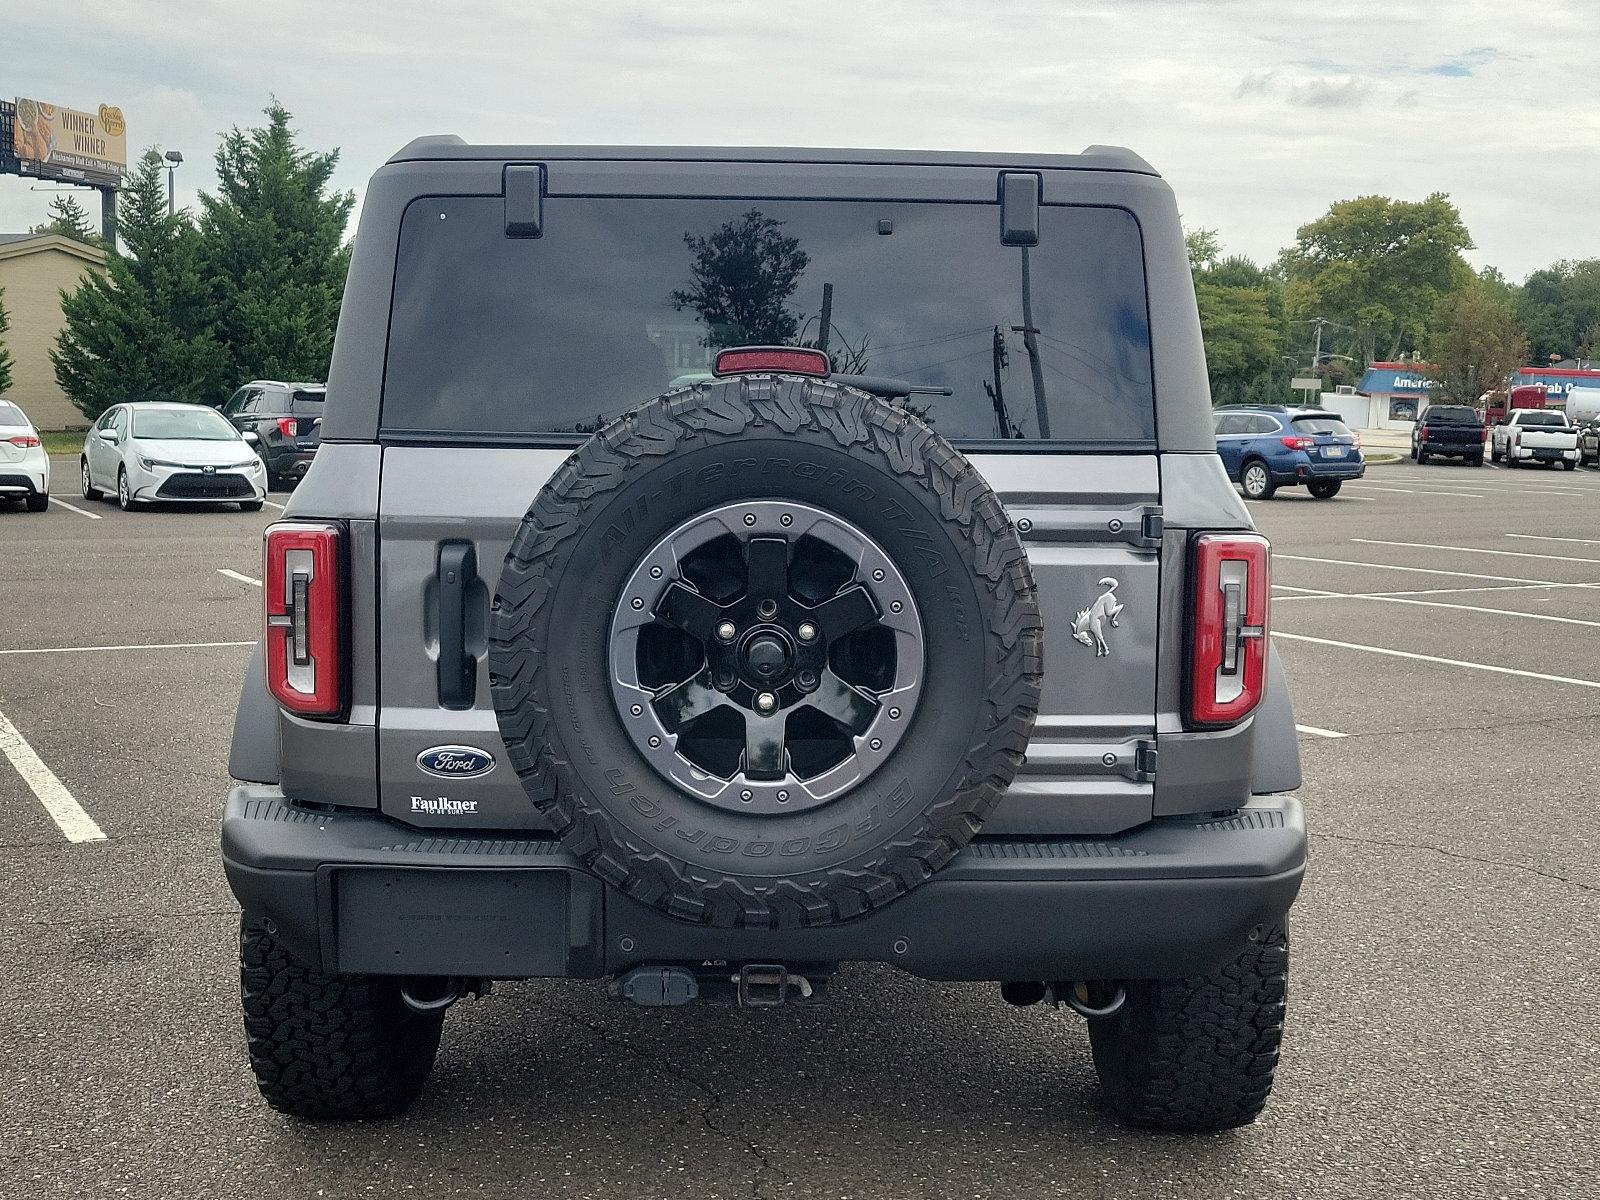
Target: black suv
(283, 421)
(722, 565)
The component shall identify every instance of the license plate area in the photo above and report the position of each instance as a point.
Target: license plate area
(1333, 452)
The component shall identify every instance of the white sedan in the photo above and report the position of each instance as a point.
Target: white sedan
(181, 453)
(24, 465)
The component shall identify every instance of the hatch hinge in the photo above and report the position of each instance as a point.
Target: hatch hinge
(1152, 524)
(1145, 757)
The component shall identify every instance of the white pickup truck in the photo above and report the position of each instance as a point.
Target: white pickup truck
(1535, 435)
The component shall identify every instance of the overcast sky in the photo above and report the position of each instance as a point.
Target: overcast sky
(1260, 114)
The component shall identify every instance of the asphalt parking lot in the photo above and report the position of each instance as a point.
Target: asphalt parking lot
(1439, 625)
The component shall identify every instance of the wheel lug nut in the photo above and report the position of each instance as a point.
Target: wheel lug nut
(766, 702)
(767, 608)
(807, 631)
(726, 630)
(807, 679)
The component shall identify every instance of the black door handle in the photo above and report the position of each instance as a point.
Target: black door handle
(458, 670)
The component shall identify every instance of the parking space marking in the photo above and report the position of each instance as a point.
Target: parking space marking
(1352, 562)
(1475, 550)
(1372, 487)
(274, 504)
(64, 810)
(74, 508)
(1545, 537)
(238, 576)
(1449, 662)
(151, 646)
(1508, 612)
(1322, 733)
(1503, 587)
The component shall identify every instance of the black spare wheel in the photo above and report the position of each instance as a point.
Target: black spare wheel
(767, 651)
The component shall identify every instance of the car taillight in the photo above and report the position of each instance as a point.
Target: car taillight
(1356, 438)
(791, 360)
(287, 426)
(305, 641)
(1298, 443)
(25, 440)
(1228, 643)
(1424, 433)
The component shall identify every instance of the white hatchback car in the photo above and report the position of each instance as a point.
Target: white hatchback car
(183, 453)
(24, 465)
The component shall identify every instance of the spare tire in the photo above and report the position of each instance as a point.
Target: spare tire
(767, 651)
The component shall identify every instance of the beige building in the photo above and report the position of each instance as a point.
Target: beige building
(34, 268)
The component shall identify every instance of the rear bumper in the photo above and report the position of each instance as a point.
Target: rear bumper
(19, 480)
(290, 463)
(1321, 469)
(1543, 453)
(1470, 449)
(359, 892)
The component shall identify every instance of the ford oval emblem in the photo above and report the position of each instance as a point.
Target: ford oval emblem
(456, 762)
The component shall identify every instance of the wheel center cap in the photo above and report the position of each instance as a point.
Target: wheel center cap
(766, 656)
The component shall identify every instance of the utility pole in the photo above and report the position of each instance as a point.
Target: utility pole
(996, 391)
(108, 217)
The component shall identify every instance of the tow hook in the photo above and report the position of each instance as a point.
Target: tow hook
(430, 994)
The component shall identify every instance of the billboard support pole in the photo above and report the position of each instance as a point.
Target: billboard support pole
(108, 217)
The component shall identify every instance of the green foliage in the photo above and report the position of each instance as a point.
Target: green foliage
(142, 332)
(1379, 266)
(742, 278)
(274, 252)
(1476, 342)
(1203, 246)
(69, 219)
(1242, 322)
(5, 355)
(1560, 308)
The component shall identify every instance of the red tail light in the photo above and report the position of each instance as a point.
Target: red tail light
(305, 641)
(287, 426)
(26, 440)
(1228, 645)
(790, 360)
(1298, 443)
(1424, 433)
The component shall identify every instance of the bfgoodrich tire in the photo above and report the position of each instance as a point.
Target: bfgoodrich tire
(330, 1047)
(1194, 1055)
(757, 842)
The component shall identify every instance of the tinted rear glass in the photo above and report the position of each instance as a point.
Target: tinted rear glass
(622, 298)
(1320, 425)
(1451, 414)
(1542, 418)
(308, 402)
(10, 414)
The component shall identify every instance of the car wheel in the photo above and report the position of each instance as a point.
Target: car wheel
(1494, 455)
(39, 502)
(1476, 460)
(1196, 1055)
(1570, 464)
(90, 492)
(124, 492)
(806, 696)
(1324, 489)
(330, 1047)
(1422, 456)
(1256, 480)
(1413, 454)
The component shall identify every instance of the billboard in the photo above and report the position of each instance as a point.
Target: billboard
(53, 142)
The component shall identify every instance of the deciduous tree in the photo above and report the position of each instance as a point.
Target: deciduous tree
(1476, 342)
(741, 279)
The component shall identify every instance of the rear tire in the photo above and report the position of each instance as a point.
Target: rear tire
(1325, 489)
(124, 493)
(1256, 480)
(1197, 1055)
(39, 503)
(1422, 457)
(1569, 464)
(1495, 456)
(1476, 460)
(330, 1047)
(90, 492)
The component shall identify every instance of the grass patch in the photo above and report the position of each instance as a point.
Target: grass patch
(57, 441)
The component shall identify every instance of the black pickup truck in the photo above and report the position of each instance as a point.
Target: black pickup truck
(1448, 431)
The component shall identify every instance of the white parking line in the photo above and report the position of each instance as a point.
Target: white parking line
(1317, 593)
(1545, 537)
(239, 577)
(274, 504)
(1348, 562)
(156, 646)
(1449, 662)
(74, 508)
(1372, 487)
(1506, 612)
(1475, 550)
(66, 812)
(1322, 733)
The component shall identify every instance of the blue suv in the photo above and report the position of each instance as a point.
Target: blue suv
(1268, 446)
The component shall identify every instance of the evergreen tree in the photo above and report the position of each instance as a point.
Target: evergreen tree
(274, 253)
(69, 219)
(142, 331)
(5, 355)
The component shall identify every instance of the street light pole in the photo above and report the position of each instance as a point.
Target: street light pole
(174, 161)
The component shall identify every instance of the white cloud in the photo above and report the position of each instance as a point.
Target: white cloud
(1259, 119)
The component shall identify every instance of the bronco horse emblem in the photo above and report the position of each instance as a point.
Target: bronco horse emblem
(1089, 626)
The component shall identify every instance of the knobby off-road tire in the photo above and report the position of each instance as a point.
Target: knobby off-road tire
(1194, 1055)
(758, 439)
(330, 1047)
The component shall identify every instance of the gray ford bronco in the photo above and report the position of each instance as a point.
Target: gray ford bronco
(723, 565)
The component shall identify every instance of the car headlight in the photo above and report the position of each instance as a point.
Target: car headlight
(149, 464)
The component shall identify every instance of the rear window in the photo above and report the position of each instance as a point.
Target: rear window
(308, 402)
(1451, 414)
(1542, 418)
(622, 298)
(1320, 425)
(10, 414)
